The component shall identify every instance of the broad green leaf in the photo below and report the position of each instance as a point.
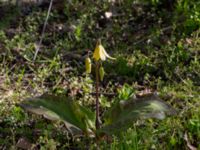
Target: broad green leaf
(77, 118)
(124, 113)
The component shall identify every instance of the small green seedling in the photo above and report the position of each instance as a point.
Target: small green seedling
(80, 120)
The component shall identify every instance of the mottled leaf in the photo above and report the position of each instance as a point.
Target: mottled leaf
(77, 118)
(124, 113)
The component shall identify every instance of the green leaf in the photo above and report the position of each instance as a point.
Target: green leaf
(77, 118)
(126, 92)
(122, 115)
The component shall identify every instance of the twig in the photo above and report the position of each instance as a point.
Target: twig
(189, 145)
(151, 35)
(43, 30)
(105, 94)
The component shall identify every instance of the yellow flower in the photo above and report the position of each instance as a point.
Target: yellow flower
(100, 53)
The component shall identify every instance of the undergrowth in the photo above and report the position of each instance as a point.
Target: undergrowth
(157, 49)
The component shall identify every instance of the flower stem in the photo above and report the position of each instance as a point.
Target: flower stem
(97, 95)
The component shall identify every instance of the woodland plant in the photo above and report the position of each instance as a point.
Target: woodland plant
(80, 120)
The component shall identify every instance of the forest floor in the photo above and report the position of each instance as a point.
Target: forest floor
(157, 49)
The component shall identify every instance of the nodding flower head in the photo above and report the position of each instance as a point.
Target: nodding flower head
(100, 53)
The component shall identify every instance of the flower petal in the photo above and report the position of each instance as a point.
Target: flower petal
(105, 53)
(102, 54)
(96, 54)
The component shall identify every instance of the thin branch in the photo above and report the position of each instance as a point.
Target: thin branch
(152, 35)
(105, 94)
(43, 30)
